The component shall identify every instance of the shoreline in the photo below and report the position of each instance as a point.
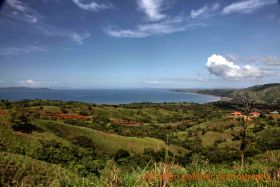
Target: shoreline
(220, 98)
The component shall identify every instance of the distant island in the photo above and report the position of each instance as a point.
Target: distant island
(22, 88)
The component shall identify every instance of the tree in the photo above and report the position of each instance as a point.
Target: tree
(245, 103)
(21, 120)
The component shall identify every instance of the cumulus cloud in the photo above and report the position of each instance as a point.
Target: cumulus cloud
(205, 11)
(247, 6)
(92, 6)
(25, 49)
(221, 67)
(271, 60)
(18, 10)
(152, 9)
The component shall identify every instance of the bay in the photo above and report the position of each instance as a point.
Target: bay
(107, 96)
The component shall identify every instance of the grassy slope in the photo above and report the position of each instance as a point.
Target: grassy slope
(64, 133)
(21, 143)
(211, 135)
(23, 170)
(222, 131)
(107, 142)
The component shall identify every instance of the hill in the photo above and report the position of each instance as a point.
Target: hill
(19, 170)
(107, 142)
(267, 93)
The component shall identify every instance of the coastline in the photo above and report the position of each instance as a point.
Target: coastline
(219, 98)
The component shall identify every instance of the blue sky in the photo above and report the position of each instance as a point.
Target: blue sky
(139, 43)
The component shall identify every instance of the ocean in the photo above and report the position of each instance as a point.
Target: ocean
(107, 96)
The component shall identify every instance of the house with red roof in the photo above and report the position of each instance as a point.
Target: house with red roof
(255, 114)
(237, 114)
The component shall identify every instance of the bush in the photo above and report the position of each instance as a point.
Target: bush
(268, 139)
(21, 120)
(64, 110)
(54, 152)
(100, 118)
(83, 141)
(121, 155)
(84, 113)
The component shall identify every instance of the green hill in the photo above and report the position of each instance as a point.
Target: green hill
(19, 170)
(107, 142)
(267, 93)
(68, 135)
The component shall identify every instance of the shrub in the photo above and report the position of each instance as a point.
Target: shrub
(52, 152)
(83, 141)
(100, 118)
(120, 155)
(21, 120)
(84, 113)
(64, 110)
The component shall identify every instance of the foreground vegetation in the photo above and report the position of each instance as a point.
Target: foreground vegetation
(143, 144)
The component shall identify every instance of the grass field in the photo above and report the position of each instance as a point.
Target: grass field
(107, 142)
(18, 170)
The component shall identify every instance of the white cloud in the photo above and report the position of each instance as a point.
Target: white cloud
(152, 82)
(144, 30)
(92, 6)
(152, 9)
(157, 23)
(30, 83)
(79, 38)
(51, 30)
(271, 60)
(19, 10)
(205, 11)
(26, 49)
(220, 66)
(198, 12)
(121, 33)
(33, 83)
(247, 6)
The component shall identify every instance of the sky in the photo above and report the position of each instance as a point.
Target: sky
(139, 43)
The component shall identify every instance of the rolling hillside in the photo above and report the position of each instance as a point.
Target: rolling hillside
(267, 93)
(107, 142)
(96, 150)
